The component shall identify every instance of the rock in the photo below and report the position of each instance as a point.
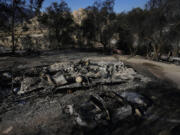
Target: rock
(59, 79)
(29, 84)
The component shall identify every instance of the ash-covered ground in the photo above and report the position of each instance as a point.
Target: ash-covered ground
(76, 93)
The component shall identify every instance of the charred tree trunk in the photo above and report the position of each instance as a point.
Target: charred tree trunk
(12, 23)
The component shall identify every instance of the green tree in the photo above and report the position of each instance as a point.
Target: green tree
(174, 38)
(59, 21)
(4, 15)
(123, 29)
(16, 6)
(15, 11)
(98, 26)
(136, 21)
(155, 33)
(36, 5)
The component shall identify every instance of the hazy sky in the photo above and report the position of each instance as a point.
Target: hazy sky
(120, 5)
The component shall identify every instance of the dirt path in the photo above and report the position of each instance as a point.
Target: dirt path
(161, 70)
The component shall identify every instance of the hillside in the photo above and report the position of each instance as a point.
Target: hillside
(38, 33)
(32, 29)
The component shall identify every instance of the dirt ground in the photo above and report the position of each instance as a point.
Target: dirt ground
(163, 71)
(44, 115)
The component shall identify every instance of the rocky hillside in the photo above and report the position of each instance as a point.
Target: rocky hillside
(30, 31)
(33, 31)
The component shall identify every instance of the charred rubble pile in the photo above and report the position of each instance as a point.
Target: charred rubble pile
(68, 76)
(92, 93)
